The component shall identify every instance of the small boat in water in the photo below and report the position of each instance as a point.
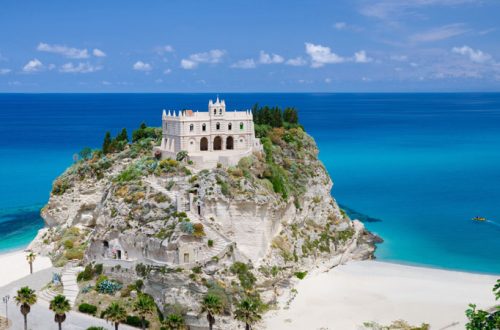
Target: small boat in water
(479, 219)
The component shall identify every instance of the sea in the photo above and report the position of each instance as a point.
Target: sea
(415, 168)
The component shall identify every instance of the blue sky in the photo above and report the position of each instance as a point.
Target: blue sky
(249, 46)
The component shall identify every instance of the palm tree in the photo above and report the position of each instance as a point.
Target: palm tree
(60, 306)
(247, 312)
(182, 155)
(174, 322)
(212, 305)
(31, 256)
(144, 306)
(26, 297)
(115, 313)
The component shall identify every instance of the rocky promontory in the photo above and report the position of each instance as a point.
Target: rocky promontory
(241, 232)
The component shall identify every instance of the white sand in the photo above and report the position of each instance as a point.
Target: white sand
(349, 295)
(13, 266)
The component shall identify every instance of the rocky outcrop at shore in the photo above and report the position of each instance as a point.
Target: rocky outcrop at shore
(182, 230)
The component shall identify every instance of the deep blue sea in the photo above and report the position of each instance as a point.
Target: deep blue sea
(422, 164)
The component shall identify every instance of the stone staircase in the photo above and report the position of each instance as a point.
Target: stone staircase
(70, 287)
(158, 187)
(220, 245)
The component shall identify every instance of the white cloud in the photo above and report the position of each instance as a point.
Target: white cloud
(98, 53)
(266, 58)
(212, 57)
(439, 33)
(328, 80)
(321, 55)
(33, 66)
(340, 25)
(167, 48)
(63, 50)
(298, 61)
(399, 58)
(188, 64)
(477, 55)
(4, 71)
(167, 71)
(79, 68)
(392, 9)
(248, 63)
(361, 57)
(142, 66)
(105, 83)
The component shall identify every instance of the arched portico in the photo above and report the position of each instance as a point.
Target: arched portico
(203, 144)
(229, 143)
(217, 143)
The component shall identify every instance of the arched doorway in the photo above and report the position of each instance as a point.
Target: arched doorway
(217, 143)
(204, 144)
(229, 143)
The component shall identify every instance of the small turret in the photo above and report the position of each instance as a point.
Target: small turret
(217, 108)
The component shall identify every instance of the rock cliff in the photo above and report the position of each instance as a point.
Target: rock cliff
(182, 229)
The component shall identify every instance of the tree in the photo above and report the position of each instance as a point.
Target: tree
(60, 306)
(181, 155)
(106, 145)
(85, 153)
(212, 305)
(115, 313)
(30, 257)
(484, 320)
(290, 116)
(174, 322)
(25, 297)
(144, 306)
(248, 312)
(123, 136)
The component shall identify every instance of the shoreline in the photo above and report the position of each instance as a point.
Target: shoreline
(348, 295)
(18, 267)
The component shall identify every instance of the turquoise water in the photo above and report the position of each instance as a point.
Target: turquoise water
(424, 164)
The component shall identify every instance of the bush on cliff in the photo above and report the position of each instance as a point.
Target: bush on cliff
(87, 308)
(60, 186)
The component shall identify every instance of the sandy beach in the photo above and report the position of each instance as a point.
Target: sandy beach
(360, 291)
(14, 266)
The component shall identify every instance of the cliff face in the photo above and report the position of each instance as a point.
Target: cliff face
(274, 211)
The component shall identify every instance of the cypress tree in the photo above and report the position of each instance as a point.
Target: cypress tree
(123, 136)
(106, 145)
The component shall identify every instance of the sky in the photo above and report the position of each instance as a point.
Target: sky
(250, 46)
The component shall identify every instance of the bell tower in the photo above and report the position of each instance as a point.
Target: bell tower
(217, 108)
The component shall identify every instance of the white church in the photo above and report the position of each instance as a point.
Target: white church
(216, 136)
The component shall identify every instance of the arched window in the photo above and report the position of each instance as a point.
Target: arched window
(220, 111)
(215, 111)
(229, 126)
(241, 126)
(191, 127)
(217, 126)
(203, 127)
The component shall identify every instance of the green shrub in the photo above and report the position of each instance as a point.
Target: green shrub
(247, 279)
(73, 254)
(300, 275)
(96, 328)
(60, 186)
(98, 269)
(86, 274)
(68, 244)
(210, 243)
(87, 308)
(135, 321)
(129, 174)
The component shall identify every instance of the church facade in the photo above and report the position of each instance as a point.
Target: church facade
(216, 136)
